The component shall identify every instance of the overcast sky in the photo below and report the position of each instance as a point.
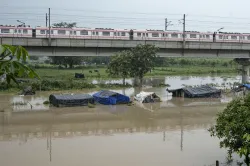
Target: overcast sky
(202, 15)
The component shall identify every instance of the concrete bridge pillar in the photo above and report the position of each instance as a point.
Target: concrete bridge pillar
(245, 74)
(245, 66)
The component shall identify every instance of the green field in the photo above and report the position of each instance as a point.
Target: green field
(62, 74)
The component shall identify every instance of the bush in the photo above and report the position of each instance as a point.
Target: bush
(47, 85)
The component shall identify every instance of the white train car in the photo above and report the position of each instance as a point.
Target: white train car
(233, 37)
(15, 31)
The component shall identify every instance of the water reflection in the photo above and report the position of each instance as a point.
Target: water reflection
(177, 81)
(61, 132)
(24, 103)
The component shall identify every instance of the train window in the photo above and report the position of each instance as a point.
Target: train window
(106, 33)
(19, 31)
(61, 32)
(174, 35)
(220, 36)
(155, 34)
(84, 32)
(192, 35)
(225, 37)
(42, 31)
(234, 37)
(93, 33)
(15, 30)
(207, 36)
(25, 31)
(242, 37)
(97, 33)
(70, 32)
(146, 34)
(123, 34)
(74, 32)
(143, 34)
(5, 30)
(51, 32)
(139, 34)
(248, 37)
(114, 33)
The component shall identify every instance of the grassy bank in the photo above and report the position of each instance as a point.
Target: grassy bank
(53, 78)
(63, 74)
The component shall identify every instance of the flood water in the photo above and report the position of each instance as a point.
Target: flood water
(173, 132)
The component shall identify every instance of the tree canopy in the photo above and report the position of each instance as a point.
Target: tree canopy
(10, 65)
(67, 61)
(232, 125)
(142, 60)
(64, 25)
(135, 62)
(120, 65)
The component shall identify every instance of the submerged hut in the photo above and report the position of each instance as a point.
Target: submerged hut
(71, 100)
(110, 98)
(203, 91)
(147, 97)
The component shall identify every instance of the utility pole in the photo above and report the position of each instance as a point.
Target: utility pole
(184, 28)
(49, 29)
(166, 24)
(46, 20)
(184, 34)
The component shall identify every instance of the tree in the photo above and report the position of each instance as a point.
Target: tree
(213, 63)
(14, 68)
(120, 65)
(66, 60)
(64, 25)
(232, 125)
(142, 60)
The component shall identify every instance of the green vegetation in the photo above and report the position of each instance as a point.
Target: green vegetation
(46, 102)
(119, 65)
(14, 68)
(135, 62)
(233, 128)
(142, 60)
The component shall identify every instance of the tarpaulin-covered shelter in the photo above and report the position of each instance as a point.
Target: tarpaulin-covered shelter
(71, 100)
(147, 97)
(196, 92)
(110, 98)
(247, 86)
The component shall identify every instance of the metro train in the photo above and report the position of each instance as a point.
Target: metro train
(124, 34)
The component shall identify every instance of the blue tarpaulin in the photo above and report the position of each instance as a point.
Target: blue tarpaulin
(110, 98)
(246, 85)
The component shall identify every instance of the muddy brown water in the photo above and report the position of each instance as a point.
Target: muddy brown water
(173, 132)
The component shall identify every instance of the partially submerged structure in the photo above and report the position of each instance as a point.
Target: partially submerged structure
(147, 97)
(203, 91)
(110, 98)
(71, 100)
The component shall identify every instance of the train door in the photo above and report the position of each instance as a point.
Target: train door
(34, 33)
(131, 35)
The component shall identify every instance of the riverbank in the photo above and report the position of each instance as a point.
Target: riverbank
(62, 74)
